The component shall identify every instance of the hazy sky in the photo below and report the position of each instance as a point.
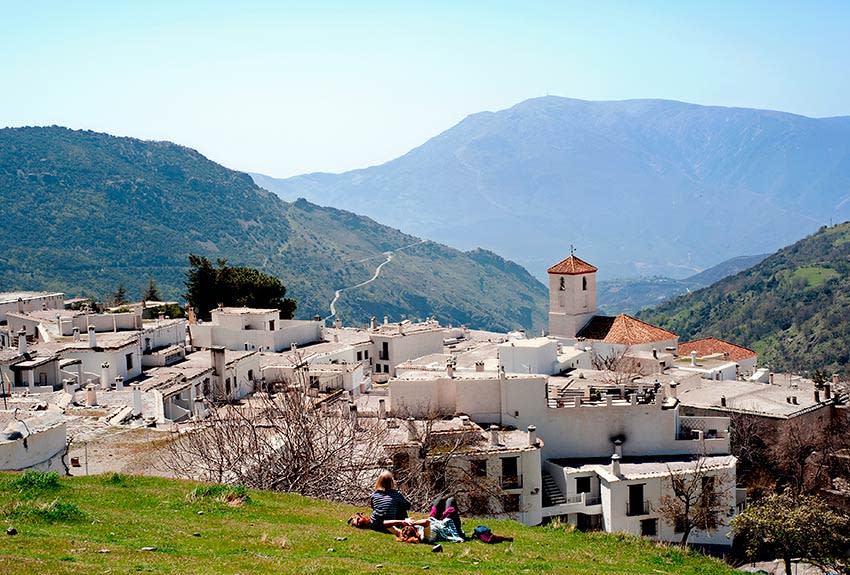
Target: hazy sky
(286, 88)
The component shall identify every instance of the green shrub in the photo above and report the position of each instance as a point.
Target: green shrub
(49, 512)
(33, 482)
(232, 494)
(116, 479)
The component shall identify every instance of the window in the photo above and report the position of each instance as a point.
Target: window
(365, 354)
(271, 325)
(478, 467)
(563, 285)
(583, 284)
(510, 473)
(250, 375)
(385, 351)
(129, 359)
(510, 503)
(359, 356)
(401, 462)
(649, 527)
(582, 484)
(227, 386)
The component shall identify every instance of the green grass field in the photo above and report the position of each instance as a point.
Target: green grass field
(101, 524)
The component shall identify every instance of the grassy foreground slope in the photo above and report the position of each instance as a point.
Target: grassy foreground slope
(100, 524)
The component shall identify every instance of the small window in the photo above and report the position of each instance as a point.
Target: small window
(250, 375)
(478, 467)
(563, 285)
(359, 356)
(582, 484)
(649, 527)
(584, 284)
(510, 503)
(271, 325)
(129, 358)
(227, 386)
(365, 354)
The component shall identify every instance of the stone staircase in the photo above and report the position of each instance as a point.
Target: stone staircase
(551, 493)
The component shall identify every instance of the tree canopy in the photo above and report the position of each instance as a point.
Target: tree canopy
(208, 285)
(789, 526)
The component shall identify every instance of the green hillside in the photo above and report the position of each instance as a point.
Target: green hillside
(792, 308)
(85, 212)
(101, 524)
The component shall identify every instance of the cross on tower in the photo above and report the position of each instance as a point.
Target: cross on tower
(572, 250)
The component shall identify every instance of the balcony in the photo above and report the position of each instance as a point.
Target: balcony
(635, 508)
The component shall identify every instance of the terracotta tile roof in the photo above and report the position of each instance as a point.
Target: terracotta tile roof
(712, 345)
(572, 266)
(624, 330)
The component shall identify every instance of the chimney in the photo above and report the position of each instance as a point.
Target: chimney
(160, 317)
(450, 369)
(22, 341)
(494, 435)
(411, 429)
(119, 383)
(794, 400)
(76, 334)
(382, 409)
(817, 396)
(618, 447)
(91, 396)
(400, 328)
(386, 319)
(92, 337)
(673, 386)
(827, 391)
(105, 380)
(373, 323)
(788, 398)
(217, 361)
(633, 399)
(608, 400)
(694, 358)
(464, 420)
(479, 366)
(770, 378)
(293, 346)
(352, 413)
(317, 318)
(338, 323)
(723, 400)
(532, 436)
(137, 401)
(615, 464)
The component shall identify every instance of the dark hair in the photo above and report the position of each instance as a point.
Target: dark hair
(360, 521)
(408, 534)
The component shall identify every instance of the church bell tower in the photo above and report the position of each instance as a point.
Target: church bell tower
(572, 296)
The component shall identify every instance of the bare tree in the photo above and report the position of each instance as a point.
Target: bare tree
(445, 460)
(696, 501)
(618, 367)
(286, 440)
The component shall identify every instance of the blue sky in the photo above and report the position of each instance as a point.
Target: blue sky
(287, 88)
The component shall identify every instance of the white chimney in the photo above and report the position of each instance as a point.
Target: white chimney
(694, 358)
(338, 323)
(479, 366)
(22, 341)
(352, 413)
(119, 383)
(411, 429)
(382, 409)
(450, 369)
(217, 362)
(137, 401)
(673, 387)
(464, 420)
(76, 334)
(618, 447)
(373, 323)
(105, 379)
(401, 328)
(494, 435)
(92, 337)
(770, 379)
(91, 396)
(615, 464)
(386, 319)
(532, 436)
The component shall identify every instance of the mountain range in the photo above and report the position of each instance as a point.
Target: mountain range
(791, 307)
(640, 187)
(86, 212)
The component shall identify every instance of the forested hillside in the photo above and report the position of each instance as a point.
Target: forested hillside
(85, 212)
(793, 308)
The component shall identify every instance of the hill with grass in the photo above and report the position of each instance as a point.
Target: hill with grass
(86, 212)
(641, 187)
(792, 307)
(126, 524)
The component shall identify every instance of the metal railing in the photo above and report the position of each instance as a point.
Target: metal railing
(634, 508)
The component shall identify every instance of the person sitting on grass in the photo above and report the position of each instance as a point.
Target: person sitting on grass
(387, 502)
(446, 507)
(429, 530)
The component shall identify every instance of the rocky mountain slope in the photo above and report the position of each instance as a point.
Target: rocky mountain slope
(641, 187)
(85, 212)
